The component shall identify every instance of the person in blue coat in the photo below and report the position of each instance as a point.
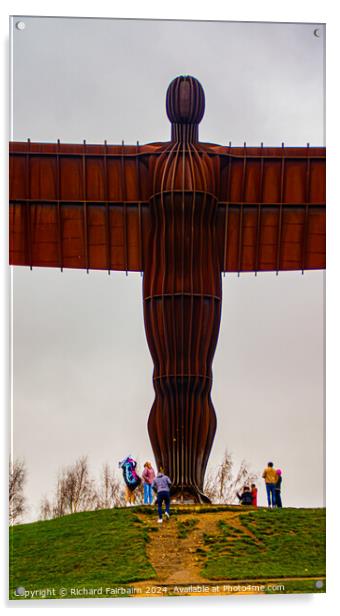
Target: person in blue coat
(161, 484)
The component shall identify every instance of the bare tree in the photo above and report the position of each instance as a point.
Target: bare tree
(75, 492)
(77, 488)
(17, 478)
(45, 509)
(110, 493)
(222, 486)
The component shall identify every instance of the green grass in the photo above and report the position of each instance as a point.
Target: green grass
(283, 543)
(90, 549)
(185, 526)
(107, 549)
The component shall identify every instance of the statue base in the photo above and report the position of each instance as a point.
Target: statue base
(188, 496)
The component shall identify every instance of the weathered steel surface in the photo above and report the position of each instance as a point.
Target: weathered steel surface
(67, 207)
(79, 206)
(182, 212)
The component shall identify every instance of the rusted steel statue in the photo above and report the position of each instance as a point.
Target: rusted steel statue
(181, 212)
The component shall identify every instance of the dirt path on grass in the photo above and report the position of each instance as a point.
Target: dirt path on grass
(176, 560)
(178, 564)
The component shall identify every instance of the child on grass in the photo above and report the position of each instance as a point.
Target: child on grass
(253, 495)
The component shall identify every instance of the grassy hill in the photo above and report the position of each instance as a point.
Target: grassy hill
(122, 552)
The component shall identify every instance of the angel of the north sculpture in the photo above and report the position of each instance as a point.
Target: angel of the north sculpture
(182, 213)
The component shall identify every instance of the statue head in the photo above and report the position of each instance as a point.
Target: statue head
(185, 103)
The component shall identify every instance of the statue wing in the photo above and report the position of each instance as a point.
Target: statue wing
(79, 206)
(272, 212)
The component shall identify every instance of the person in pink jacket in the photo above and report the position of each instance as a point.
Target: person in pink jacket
(148, 477)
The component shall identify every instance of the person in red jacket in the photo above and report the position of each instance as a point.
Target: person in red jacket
(253, 495)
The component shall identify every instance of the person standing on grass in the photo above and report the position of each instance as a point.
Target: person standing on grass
(270, 477)
(148, 476)
(161, 484)
(278, 488)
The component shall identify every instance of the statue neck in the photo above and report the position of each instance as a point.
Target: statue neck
(184, 133)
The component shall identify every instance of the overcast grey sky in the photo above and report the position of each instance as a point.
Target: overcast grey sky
(82, 369)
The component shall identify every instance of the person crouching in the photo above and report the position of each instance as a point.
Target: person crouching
(246, 496)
